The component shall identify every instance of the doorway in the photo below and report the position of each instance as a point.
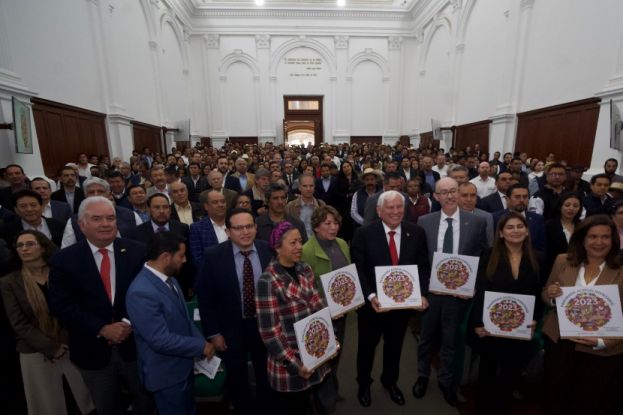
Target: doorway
(302, 121)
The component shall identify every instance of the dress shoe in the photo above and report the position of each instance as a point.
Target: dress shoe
(395, 394)
(449, 395)
(365, 399)
(419, 389)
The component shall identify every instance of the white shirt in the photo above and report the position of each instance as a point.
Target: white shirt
(161, 277)
(221, 235)
(69, 237)
(98, 261)
(443, 172)
(47, 211)
(397, 242)
(43, 228)
(503, 198)
(443, 225)
(484, 188)
(581, 282)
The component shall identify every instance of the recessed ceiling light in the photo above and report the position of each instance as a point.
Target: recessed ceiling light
(259, 2)
(341, 3)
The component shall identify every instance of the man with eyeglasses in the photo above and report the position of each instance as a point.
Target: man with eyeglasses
(450, 231)
(226, 293)
(545, 201)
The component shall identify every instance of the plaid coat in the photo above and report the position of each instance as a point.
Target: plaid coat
(281, 302)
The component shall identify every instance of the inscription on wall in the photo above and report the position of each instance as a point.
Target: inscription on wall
(300, 67)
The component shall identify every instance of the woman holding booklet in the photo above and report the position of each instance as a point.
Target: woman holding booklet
(579, 371)
(325, 252)
(512, 267)
(285, 295)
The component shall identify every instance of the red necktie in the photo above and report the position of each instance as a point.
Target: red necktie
(393, 251)
(105, 272)
(248, 286)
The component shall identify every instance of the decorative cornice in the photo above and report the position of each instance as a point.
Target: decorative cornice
(262, 41)
(211, 40)
(341, 42)
(395, 42)
(397, 15)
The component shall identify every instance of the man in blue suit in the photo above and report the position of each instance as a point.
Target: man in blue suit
(88, 285)
(167, 339)
(517, 197)
(230, 326)
(210, 230)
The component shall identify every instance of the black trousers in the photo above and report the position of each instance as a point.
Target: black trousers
(235, 359)
(501, 361)
(292, 403)
(577, 382)
(392, 325)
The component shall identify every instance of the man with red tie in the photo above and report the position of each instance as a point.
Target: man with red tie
(88, 284)
(388, 241)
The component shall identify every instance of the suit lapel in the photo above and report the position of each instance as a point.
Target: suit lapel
(406, 242)
(168, 292)
(435, 231)
(464, 228)
(231, 270)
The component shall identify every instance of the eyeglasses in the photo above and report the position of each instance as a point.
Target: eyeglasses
(29, 244)
(448, 192)
(242, 227)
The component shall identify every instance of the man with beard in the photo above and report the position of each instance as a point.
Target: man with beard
(167, 339)
(69, 193)
(229, 182)
(610, 168)
(517, 199)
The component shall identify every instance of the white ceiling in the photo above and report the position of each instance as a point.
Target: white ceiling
(309, 4)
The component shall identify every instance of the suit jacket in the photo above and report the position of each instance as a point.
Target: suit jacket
(412, 173)
(152, 190)
(556, 243)
(489, 220)
(472, 233)
(167, 340)
(202, 236)
(230, 198)
(250, 180)
(60, 211)
(536, 228)
(145, 231)
(78, 197)
(11, 228)
(196, 211)
(327, 196)
(232, 183)
(195, 189)
(370, 249)
(369, 212)
(565, 274)
(491, 203)
(30, 338)
(78, 299)
(219, 292)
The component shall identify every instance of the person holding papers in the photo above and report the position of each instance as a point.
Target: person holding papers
(579, 371)
(167, 340)
(510, 266)
(286, 294)
(325, 252)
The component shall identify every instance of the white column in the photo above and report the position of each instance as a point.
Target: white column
(120, 135)
(341, 130)
(266, 126)
(502, 134)
(394, 83)
(217, 120)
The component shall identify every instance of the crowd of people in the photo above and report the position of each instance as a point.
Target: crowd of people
(99, 262)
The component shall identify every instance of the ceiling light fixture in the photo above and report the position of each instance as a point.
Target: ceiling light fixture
(259, 2)
(341, 3)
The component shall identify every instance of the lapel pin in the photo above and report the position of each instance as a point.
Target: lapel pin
(408, 234)
(122, 249)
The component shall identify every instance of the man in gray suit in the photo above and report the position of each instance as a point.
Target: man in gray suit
(449, 230)
(468, 196)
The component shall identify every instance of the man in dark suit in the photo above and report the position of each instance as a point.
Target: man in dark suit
(182, 208)
(51, 208)
(69, 192)
(388, 241)
(211, 229)
(230, 182)
(88, 285)
(518, 197)
(452, 231)
(406, 171)
(17, 181)
(326, 185)
(230, 325)
(29, 215)
(391, 181)
(167, 339)
(497, 201)
(195, 182)
(160, 221)
(118, 189)
(428, 175)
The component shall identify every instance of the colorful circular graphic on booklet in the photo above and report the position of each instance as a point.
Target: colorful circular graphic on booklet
(398, 286)
(507, 314)
(316, 338)
(588, 311)
(342, 289)
(452, 273)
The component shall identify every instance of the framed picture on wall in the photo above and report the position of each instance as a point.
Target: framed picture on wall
(616, 126)
(21, 127)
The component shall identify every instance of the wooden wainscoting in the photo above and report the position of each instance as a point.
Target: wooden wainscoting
(567, 130)
(65, 131)
(365, 139)
(147, 135)
(473, 133)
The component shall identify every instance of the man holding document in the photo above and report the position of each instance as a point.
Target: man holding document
(167, 340)
(388, 241)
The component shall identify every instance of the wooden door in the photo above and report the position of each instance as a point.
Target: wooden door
(304, 108)
(473, 133)
(147, 135)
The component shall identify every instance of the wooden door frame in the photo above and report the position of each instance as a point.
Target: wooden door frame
(305, 115)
